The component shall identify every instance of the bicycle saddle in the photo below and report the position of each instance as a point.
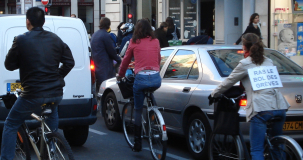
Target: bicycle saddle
(275, 119)
(150, 90)
(46, 109)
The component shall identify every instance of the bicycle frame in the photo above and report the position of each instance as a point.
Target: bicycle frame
(152, 106)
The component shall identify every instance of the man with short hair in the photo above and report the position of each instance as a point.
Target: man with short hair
(37, 54)
(73, 16)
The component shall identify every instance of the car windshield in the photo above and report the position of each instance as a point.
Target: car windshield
(226, 60)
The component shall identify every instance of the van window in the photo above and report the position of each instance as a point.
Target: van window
(73, 39)
(226, 60)
(10, 34)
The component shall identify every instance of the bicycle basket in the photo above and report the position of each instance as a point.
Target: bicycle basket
(226, 116)
(126, 87)
(9, 100)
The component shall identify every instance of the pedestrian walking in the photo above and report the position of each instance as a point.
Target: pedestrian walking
(172, 32)
(127, 30)
(160, 34)
(104, 53)
(37, 54)
(113, 37)
(253, 27)
(263, 104)
(145, 48)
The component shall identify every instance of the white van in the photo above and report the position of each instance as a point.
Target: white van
(78, 108)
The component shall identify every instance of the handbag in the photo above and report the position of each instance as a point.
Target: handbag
(126, 87)
(226, 116)
(175, 37)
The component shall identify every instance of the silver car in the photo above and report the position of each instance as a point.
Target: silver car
(189, 74)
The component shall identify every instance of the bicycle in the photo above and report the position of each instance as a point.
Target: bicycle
(52, 145)
(153, 129)
(282, 147)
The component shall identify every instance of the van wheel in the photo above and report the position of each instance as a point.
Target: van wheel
(112, 117)
(197, 135)
(76, 136)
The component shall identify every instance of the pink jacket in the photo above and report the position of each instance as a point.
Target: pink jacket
(146, 53)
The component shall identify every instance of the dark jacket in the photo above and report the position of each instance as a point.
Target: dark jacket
(250, 29)
(104, 53)
(125, 39)
(37, 54)
(169, 32)
(161, 35)
(120, 37)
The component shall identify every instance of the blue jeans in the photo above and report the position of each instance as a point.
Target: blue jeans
(258, 129)
(143, 82)
(21, 110)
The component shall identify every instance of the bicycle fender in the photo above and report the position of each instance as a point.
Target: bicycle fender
(159, 115)
(292, 141)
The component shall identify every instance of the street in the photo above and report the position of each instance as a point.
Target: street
(109, 145)
(105, 144)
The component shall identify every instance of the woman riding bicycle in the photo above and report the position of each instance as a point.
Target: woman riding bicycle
(261, 104)
(145, 48)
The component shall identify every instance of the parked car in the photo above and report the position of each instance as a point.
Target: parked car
(189, 74)
(78, 108)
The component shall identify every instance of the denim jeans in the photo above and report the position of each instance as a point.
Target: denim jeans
(258, 129)
(143, 82)
(21, 110)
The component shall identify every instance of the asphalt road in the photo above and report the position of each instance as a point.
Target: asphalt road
(103, 144)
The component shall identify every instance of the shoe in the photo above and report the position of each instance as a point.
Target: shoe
(138, 141)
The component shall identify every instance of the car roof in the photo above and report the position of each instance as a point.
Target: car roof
(206, 47)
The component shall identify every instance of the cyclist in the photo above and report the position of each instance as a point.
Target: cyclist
(37, 54)
(127, 30)
(262, 105)
(146, 50)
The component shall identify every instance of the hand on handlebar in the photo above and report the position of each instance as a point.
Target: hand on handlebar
(211, 99)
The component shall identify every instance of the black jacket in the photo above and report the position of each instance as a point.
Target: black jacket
(37, 54)
(169, 32)
(250, 29)
(161, 36)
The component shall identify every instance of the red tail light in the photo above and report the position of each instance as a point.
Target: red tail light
(95, 107)
(243, 102)
(240, 52)
(164, 128)
(174, 70)
(92, 68)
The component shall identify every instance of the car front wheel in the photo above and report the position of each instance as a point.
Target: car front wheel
(197, 135)
(112, 117)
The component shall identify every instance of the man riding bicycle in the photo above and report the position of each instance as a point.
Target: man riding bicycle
(37, 54)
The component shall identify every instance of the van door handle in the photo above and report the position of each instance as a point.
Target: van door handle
(186, 89)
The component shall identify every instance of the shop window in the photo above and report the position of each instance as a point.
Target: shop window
(86, 15)
(175, 12)
(190, 19)
(180, 65)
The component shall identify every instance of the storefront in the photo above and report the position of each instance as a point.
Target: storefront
(286, 31)
(86, 13)
(2, 7)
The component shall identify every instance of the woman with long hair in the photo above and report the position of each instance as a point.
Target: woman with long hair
(172, 29)
(145, 48)
(160, 33)
(253, 27)
(263, 104)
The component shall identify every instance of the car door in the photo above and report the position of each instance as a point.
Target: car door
(180, 77)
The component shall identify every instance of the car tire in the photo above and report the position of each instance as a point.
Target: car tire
(76, 136)
(110, 109)
(197, 135)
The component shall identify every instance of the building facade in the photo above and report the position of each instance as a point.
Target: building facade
(87, 10)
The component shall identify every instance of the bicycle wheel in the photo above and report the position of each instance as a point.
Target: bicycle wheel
(22, 151)
(128, 122)
(59, 148)
(283, 149)
(157, 146)
(223, 147)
